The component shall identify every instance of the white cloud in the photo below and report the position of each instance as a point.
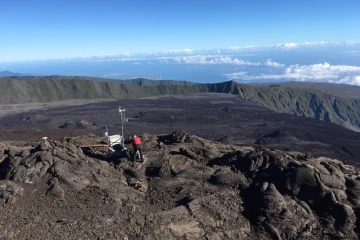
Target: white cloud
(354, 80)
(213, 60)
(185, 50)
(313, 73)
(237, 48)
(237, 75)
(352, 53)
(192, 59)
(351, 42)
(120, 59)
(270, 63)
(290, 45)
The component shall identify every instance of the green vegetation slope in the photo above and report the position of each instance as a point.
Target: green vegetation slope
(328, 107)
(340, 90)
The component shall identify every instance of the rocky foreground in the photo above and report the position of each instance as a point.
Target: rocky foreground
(187, 188)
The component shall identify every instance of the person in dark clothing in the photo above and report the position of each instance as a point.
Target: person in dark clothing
(136, 142)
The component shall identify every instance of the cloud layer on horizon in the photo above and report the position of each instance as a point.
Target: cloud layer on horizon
(322, 72)
(249, 49)
(308, 61)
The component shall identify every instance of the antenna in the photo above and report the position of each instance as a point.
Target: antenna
(122, 120)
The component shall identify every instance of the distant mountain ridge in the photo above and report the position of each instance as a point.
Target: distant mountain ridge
(147, 82)
(328, 106)
(10, 74)
(134, 82)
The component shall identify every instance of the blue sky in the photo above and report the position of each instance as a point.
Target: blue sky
(48, 29)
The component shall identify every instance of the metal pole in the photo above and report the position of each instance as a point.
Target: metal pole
(122, 124)
(122, 129)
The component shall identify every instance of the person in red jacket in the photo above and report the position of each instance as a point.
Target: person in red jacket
(136, 142)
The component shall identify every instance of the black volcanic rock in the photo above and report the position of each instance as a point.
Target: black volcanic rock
(277, 137)
(194, 189)
(79, 125)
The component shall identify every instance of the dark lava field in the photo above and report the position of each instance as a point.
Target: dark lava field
(220, 117)
(215, 167)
